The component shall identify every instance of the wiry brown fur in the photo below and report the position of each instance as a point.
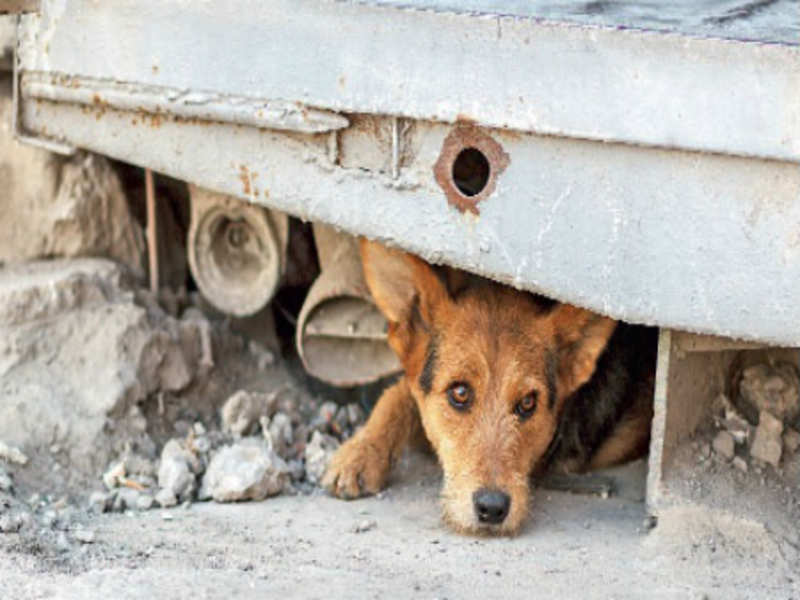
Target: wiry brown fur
(505, 344)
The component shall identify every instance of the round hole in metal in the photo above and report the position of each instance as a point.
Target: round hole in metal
(471, 171)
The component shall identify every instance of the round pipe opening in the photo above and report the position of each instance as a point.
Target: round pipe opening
(471, 171)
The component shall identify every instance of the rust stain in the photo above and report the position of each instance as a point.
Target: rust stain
(244, 177)
(156, 121)
(465, 135)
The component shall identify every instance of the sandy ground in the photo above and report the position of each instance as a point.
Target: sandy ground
(310, 547)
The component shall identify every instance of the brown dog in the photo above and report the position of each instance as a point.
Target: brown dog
(504, 383)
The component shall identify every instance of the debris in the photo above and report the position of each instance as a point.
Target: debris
(355, 414)
(100, 501)
(84, 536)
(264, 357)
(365, 525)
(242, 410)
(791, 441)
(11, 523)
(145, 502)
(12, 454)
(318, 454)
(246, 470)
(166, 498)
(774, 388)
(740, 463)
(280, 432)
(767, 444)
(177, 470)
(6, 484)
(724, 445)
(113, 475)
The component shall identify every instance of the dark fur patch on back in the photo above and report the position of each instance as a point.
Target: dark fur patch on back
(426, 376)
(592, 412)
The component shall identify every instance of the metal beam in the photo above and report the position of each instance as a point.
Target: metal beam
(700, 242)
(568, 80)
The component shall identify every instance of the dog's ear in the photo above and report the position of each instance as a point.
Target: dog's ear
(404, 287)
(581, 337)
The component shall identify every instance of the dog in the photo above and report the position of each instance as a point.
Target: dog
(504, 385)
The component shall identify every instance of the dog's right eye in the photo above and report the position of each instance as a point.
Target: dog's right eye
(460, 395)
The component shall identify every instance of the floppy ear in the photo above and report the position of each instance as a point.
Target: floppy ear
(581, 337)
(401, 284)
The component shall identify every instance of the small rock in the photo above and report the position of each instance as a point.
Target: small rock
(6, 484)
(113, 475)
(247, 470)
(318, 454)
(740, 463)
(340, 424)
(296, 469)
(365, 525)
(12, 454)
(84, 536)
(767, 444)
(724, 445)
(280, 431)
(10, 523)
(199, 428)
(100, 502)
(176, 470)
(166, 498)
(242, 410)
(355, 414)
(774, 388)
(124, 499)
(791, 442)
(145, 502)
(264, 357)
(704, 451)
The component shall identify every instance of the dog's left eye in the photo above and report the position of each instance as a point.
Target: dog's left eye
(527, 405)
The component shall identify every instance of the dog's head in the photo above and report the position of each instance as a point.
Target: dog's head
(490, 368)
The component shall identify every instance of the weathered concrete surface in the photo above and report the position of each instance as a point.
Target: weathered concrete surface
(309, 547)
(77, 355)
(57, 207)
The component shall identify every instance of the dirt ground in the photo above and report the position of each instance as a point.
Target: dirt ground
(395, 546)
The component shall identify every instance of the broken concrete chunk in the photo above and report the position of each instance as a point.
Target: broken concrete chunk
(176, 472)
(791, 440)
(767, 444)
(280, 432)
(114, 475)
(724, 445)
(12, 454)
(6, 484)
(243, 409)
(166, 498)
(246, 470)
(773, 388)
(318, 454)
(740, 463)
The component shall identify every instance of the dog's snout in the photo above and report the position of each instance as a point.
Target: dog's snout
(491, 506)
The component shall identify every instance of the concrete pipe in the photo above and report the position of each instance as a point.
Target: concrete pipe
(236, 250)
(341, 335)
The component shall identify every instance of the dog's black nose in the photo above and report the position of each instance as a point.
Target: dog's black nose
(491, 506)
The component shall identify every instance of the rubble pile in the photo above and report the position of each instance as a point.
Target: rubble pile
(263, 444)
(759, 428)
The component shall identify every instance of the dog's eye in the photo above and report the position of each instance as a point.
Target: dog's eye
(459, 395)
(527, 405)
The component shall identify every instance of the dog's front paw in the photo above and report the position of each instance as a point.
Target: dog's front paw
(360, 468)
